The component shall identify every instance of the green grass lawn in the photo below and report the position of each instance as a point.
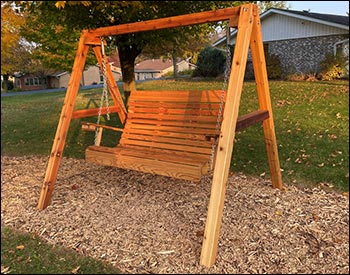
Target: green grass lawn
(311, 120)
(312, 129)
(23, 253)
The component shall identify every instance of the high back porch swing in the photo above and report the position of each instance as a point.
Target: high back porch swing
(180, 134)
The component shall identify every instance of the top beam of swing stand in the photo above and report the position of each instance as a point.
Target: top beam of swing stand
(164, 23)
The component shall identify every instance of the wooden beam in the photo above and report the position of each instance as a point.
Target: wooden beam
(226, 138)
(261, 79)
(164, 23)
(250, 119)
(94, 112)
(93, 126)
(112, 86)
(63, 125)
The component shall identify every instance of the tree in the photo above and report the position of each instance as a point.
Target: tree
(74, 16)
(11, 21)
(265, 5)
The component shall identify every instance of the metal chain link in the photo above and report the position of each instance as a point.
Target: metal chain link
(104, 96)
(222, 97)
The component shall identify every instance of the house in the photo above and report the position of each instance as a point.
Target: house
(301, 39)
(49, 80)
(156, 68)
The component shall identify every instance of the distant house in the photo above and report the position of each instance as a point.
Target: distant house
(156, 68)
(301, 39)
(49, 80)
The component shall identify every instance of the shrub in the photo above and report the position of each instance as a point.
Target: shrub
(210, 63)
(273, 66)
(10, 85)
(333, 66)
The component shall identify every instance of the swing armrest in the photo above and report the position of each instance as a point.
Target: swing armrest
(89, 126)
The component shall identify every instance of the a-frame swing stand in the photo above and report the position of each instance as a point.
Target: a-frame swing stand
(246, 19)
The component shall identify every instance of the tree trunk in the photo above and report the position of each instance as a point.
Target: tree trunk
(127, 56)
(6, 82)
(174, 63)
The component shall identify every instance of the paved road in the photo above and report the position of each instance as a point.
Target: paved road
(49, 90)
(64, 89)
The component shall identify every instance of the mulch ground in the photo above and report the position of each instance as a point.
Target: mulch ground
(152, 224)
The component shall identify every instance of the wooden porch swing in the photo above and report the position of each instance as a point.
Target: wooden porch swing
(180, 134)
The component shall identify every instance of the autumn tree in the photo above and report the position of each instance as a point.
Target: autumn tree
(11, 47)
(265, 5)
(71, 17)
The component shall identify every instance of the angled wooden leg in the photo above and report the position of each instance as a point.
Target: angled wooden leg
(226, 138)
(113, 88)
(63, 125)
(260, 72)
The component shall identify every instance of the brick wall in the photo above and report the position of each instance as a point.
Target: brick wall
(303, 55)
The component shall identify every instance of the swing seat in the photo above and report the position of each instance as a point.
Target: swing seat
(168, 133)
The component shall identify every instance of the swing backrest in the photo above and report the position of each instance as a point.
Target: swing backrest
(180, 121)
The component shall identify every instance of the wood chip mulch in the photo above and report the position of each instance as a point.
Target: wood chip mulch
(152, 224)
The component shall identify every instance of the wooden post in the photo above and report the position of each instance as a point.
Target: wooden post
(262, 86)
(226, 138)
(113, 88)
(63, 124)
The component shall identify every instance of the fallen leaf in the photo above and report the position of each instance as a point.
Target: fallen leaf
(4, 270)
(20, 247)
(75, 270)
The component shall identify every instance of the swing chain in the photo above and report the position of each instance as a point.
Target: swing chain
(104, 96)
(222, 97)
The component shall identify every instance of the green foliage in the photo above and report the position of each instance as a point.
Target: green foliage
(23, 253)
(58, 36)
(333, 66)
(273, 66)
(10, 85)
(211, 62)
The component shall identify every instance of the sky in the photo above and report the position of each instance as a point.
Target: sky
(332, 7)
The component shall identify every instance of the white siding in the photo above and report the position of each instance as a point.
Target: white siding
(280, 27)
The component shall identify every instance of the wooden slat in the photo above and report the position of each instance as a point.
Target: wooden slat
(178, 105)
(154, 166)
(176, 96)
(166, 117)
(175, 111)
(168, 156)
(189, 136)
(202, 157)
(194, 124)
(161, 139)
(188, 130)
(94, 112)
(184, 148)
(164, 23)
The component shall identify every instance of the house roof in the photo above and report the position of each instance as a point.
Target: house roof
(341, 21)
(338, 21)
(153, 65)
(114, 59)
